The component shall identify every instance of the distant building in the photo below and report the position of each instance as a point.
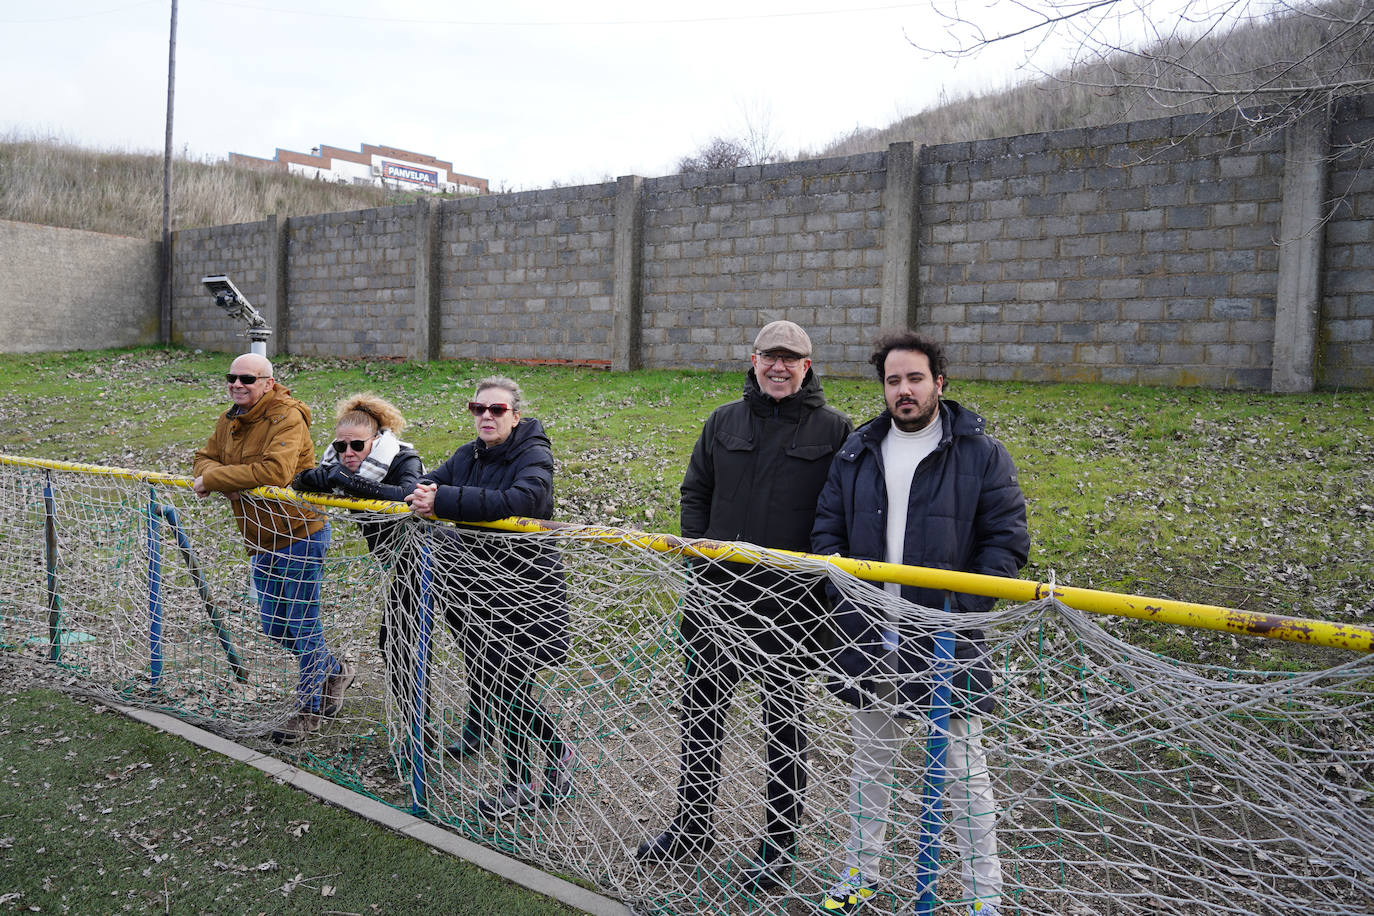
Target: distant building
(382, 166)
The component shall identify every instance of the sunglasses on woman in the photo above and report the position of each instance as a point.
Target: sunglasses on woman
(343, 445)
(496, 410)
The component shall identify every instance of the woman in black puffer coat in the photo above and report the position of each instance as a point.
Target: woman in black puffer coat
(505, 598)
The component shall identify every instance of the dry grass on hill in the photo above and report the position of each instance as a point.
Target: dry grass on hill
(57, 183)
(1317, 47)
(54, 182)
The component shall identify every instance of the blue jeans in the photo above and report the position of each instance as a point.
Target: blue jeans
(288, 589)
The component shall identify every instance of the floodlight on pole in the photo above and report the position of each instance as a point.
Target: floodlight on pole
(236, 305)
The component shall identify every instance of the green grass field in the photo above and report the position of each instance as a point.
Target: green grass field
(101, 814)
(1242, 499)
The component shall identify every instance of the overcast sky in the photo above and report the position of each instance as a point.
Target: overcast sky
(522, 92)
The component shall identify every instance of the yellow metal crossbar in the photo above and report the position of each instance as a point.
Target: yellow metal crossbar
(1162, 610)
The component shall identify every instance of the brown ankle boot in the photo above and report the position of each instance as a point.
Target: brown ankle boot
(294, 729)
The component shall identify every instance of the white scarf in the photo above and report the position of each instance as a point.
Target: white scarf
(385, 448)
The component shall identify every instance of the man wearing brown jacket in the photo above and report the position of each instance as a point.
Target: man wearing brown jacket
(264, 440)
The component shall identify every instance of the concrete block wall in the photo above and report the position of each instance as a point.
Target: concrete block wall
(1345, 356)
(1137, 253)
(1180, 251)
(528, 276)
(239, 251)
(351, 283)
(67, 289)
(727, 251)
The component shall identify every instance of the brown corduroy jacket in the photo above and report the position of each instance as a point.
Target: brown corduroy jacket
(266, 445)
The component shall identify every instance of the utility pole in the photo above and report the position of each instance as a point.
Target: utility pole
(165, 288)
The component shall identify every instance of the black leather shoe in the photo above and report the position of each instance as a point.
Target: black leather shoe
(768, 869)
(672, 847)
(468, 743)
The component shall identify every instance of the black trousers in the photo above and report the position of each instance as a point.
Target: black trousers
(499, 678)
(523, 727)
(717, 659)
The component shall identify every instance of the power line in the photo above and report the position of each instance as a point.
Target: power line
(565, 23)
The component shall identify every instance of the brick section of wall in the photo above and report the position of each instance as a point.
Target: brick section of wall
(350, 279)
(1137, 253)
(67, 289)
(528, 275)
(1345, 346)
(239, 251)
(729, 250)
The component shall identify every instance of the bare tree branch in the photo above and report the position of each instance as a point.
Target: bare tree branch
(1197, 55)
(1048, 21)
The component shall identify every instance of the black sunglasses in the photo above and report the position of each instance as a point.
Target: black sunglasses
(343, 445)
(243, 377)
(478, 408)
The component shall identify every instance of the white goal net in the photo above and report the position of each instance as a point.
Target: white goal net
(576, 660)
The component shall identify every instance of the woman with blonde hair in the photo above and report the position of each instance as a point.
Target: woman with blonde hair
(367, 460)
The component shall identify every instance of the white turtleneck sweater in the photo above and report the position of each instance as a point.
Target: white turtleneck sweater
(902, 453)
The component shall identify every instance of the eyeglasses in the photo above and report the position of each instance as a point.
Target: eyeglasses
(496, 410)
(769, 359)
(343, 445)
(243, 377)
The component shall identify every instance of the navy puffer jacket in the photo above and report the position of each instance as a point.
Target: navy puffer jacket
(966, 513)
(510, 594)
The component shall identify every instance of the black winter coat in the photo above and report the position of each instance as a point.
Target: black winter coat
(966, 512)
(754, 476)
(509, 592)
(399, 482)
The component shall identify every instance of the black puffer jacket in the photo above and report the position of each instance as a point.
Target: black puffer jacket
(510, 592)
(401, 477)
(759, 465)
(754, 476)
(966, 512)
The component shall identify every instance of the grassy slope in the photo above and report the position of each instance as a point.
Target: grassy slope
(101, 814)
(1277, 47)
(61, 184)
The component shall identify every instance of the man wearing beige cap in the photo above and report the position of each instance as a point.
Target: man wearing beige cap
(755, 474)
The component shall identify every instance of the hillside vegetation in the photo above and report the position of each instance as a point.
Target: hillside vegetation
(57, 183)
(1329, 49)
(1322, 51)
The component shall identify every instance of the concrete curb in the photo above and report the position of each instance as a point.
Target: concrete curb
(518, 872)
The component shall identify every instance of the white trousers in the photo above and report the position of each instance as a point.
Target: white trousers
(972, 812)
